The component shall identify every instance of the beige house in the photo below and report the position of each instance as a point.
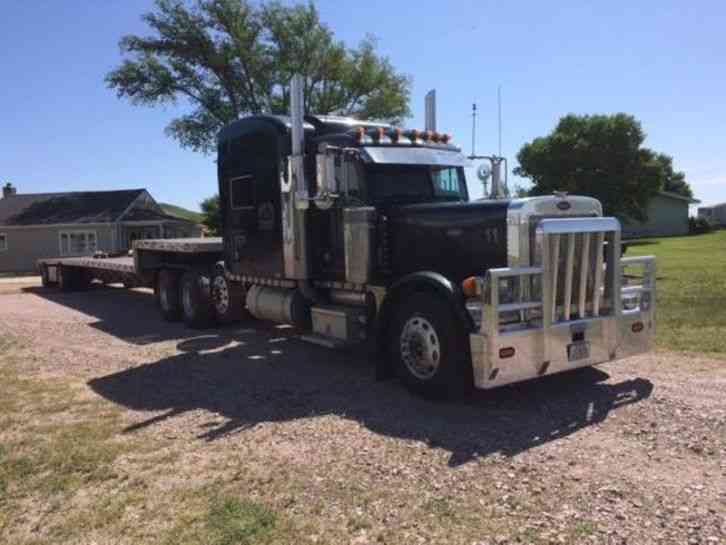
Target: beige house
(667, 216)
(40, 225)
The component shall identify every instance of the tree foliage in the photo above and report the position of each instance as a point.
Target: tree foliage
(600, 156)
(230, 58)
(211, 217)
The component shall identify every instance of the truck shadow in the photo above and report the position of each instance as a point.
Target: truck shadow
(264, 374)
(130, 315)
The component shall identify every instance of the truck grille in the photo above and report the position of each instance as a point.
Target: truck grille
(576, 266)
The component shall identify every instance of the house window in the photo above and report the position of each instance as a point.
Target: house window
(77, 242)
(3, 242)
(240, 193)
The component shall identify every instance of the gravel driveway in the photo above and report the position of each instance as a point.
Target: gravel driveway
(632, 452)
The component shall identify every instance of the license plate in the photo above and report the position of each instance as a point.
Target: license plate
(578, 351)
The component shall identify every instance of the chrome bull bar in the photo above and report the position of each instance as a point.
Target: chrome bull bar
(580, 305)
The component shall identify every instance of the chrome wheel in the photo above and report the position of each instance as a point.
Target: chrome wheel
(420, 348)
(220, 295)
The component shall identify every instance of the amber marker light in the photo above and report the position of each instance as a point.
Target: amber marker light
(470, 287)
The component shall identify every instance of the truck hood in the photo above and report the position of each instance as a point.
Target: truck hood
(454, 239)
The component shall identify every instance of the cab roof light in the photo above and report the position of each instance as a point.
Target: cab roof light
(379, 134)
(445, 138)
(396, 134)
(427, 136)
(413, 135)
(360, 134)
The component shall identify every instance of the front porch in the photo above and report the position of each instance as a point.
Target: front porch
(144, 224)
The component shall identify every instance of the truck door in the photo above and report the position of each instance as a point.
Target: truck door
(254, 230)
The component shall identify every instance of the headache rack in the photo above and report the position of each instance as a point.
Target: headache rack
(580, 291)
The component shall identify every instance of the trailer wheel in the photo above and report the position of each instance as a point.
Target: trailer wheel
(429, 352)
(196, 303)
(44, 277)
(67, 278)
(228, 298)
(82, 279)
(168, 287)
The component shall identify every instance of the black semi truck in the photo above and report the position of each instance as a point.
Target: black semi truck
(356, 231)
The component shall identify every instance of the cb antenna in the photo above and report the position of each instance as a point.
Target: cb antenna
(499, 105)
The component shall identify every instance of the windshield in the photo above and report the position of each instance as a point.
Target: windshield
(416, 183)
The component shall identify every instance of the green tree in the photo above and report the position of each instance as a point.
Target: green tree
(230, 58)
(600, 156)
(211, 217)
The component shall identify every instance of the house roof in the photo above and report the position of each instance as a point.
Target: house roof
(74, 207)
(717, 205)
(145, 214)
(672, 195)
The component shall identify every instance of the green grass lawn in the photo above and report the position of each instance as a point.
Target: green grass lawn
(691, 291)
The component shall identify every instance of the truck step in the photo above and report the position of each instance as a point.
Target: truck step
(324, 340)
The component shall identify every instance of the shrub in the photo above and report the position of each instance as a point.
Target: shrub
(698, 226)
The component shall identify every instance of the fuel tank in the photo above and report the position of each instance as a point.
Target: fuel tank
(456, 240)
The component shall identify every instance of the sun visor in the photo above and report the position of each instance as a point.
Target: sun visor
(385, 155)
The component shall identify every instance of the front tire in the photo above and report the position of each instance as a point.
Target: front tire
(196, 304)
(429, 350)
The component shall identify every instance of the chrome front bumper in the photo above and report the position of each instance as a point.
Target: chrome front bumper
(551, 323)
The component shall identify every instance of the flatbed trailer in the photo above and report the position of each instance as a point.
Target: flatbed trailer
(141, 269)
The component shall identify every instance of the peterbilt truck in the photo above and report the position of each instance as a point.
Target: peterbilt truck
(358, 232)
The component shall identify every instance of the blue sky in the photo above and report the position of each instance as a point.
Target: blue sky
(664, 62)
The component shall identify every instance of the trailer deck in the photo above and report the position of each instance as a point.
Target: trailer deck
(138, 269)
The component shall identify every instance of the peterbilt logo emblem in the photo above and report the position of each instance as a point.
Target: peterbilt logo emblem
(564, 205)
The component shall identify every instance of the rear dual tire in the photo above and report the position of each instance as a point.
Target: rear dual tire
(228, 298)
(168, 295)
(196, 304)
(185, 296)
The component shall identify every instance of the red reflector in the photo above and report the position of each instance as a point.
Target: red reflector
(506, 352)
(637, 327)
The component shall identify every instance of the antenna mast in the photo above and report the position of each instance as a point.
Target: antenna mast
(499, 186)
(473, 129)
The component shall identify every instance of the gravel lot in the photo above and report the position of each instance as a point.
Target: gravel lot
(632, 452)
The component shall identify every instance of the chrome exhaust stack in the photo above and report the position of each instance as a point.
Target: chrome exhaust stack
(295, 191)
